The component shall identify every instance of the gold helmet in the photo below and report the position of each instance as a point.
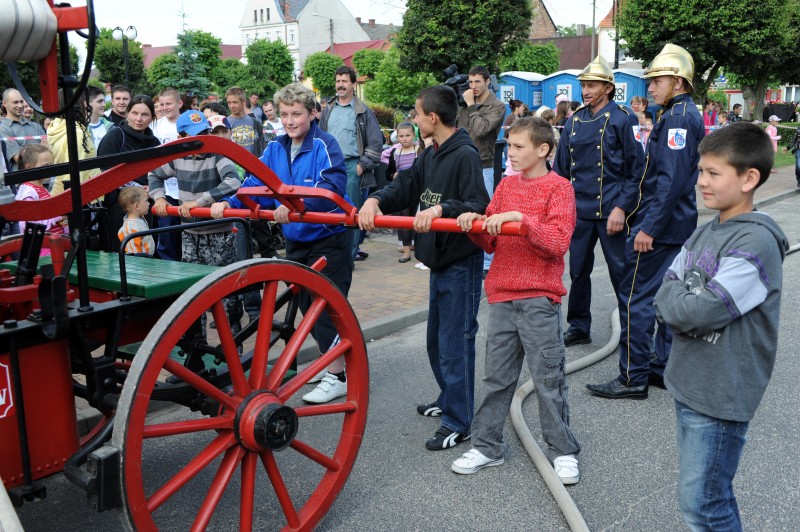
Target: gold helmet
(672, 61)
(597, 70)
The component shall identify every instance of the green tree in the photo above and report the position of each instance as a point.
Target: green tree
(393, 85)
(321, 68)
(187, 73)
(539, 58)
(464, 32)
(161, 69)
(230, 72)
(739, 35)
(109, 60)
(207, 46)
(269, 66)
(572, 31)
(367, 61)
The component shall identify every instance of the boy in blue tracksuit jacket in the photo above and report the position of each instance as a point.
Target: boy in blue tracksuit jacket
(307, 156)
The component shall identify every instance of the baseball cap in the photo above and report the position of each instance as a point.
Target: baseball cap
(192, 123)
(774, 118)
(215, 121)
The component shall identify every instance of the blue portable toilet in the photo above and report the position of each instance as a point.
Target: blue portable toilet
(561, 82)
(629, 83)
(523, 86)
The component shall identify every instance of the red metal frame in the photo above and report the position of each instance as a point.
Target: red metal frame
(289, 195)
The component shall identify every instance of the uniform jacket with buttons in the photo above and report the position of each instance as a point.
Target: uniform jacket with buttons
(600, 154)
(667, 209)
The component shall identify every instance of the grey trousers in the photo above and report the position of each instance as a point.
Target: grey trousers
(528, 328)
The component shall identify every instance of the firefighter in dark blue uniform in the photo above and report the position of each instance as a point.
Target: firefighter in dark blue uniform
(660, 224)
(600, 154)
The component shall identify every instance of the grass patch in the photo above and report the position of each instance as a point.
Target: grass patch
(783, 159)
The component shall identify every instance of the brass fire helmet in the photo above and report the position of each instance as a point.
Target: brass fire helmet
(672, 61)
(597, 70)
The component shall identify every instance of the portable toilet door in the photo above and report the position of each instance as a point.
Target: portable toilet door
(523, 86)
(629, 83)
(561, 82)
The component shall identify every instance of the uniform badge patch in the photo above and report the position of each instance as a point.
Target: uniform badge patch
(676, 139)
(637, 134)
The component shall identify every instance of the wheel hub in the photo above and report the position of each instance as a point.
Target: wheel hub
(264, 423)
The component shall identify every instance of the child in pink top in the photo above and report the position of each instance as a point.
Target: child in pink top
(36, 156)
(402, 157)
(524, 288)
(772, 131)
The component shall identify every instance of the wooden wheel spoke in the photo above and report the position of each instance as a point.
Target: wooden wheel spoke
(324, 410)
(233, 457)
(285, 500)
(293, 346)
(258, 368)
(185, 427)
(309, 452)
(291, 387)
(248, 492)
(229, 350)
(188, 472)
(200, 384)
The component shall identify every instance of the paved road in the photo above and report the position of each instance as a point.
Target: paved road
(628, 462)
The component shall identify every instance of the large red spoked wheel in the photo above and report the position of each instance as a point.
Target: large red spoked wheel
(177, 462)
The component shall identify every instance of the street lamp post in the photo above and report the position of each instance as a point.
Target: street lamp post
(124, 36)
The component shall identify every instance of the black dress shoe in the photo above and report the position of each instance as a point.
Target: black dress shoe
(575, 338)
(656, 380)
(362, 253)
(617, 390)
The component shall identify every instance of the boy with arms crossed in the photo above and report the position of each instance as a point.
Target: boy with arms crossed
(721, 296)
(524, 290)
(445, 181)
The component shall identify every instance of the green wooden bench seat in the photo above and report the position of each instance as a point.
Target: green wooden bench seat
(146, 277)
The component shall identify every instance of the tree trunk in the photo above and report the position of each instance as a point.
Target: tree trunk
(760, 94)
(749, 95)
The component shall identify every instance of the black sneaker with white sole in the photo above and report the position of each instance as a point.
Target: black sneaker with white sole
(429, 410)
(445, 439)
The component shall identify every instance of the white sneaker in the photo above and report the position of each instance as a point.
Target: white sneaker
(472, 461)
(329, 389)
(318, 377)
(567, 469)
(421, 266)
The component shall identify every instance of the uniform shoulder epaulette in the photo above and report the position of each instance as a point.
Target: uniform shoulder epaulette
(624, 108)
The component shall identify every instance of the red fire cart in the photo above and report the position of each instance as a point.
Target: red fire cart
(122, 333)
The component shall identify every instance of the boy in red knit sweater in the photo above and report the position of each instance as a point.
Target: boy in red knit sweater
(524, 290)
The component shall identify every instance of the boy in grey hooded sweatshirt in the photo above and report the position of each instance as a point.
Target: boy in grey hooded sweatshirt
(721, 297)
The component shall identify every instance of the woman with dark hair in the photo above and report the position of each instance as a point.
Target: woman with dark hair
(57, 139)
(132, 134)
(562, 113)
(517, 108)
(189, 102)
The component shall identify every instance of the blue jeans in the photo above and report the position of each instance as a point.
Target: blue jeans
(797, 166)
(709, 450)
(488, 182)
(353, 190)
(455, 293)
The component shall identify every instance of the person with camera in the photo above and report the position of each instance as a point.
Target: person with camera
(481, 114)
(599, 153)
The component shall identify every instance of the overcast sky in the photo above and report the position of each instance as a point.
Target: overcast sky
(158, 22)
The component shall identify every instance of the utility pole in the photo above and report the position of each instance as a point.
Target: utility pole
(594, 29)
(616, 34)
(331, 25)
